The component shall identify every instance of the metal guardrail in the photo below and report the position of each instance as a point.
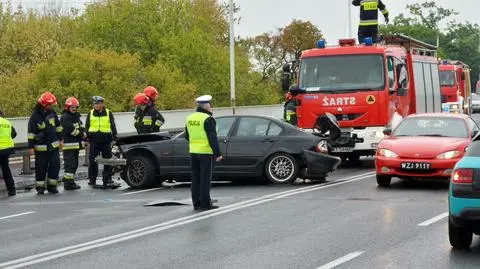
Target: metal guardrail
(174, 121)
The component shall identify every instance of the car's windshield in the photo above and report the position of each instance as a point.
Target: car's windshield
(345, 72)
(447, 78)
(433, 126)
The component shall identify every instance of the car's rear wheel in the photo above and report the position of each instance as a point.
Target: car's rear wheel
(281, 168)
(384, 181)
(459, 237)
(140, 172)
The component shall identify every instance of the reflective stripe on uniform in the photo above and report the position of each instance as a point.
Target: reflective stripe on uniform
(41, 126)
(75, 132)
(40, 147)
(69, 146)
(368, 22)
(289, 114)
(68, 176)
(59, 129)
(158, 123)
(147, 120)
(369, 4)
(40, 183)
(52, 182)
(55, 144)
(31, 136)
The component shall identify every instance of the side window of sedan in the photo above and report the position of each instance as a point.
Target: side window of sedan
(224, 125)
(252, 127)
(274, 129)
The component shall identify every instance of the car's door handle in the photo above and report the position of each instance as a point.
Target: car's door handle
(268, 140)
(225, 141)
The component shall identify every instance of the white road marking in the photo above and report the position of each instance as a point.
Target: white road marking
(341, 260)
(135, 192)
(16, 215)
(54, 254)
(434, 219)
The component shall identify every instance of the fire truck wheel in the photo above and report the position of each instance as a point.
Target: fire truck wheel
(281, 168)
(383, 181)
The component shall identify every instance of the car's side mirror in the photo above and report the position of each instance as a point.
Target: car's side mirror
(387, 131)
(474, 133)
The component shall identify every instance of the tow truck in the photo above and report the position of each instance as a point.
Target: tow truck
(349, 93)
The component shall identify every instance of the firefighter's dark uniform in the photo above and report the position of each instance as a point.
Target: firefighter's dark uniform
(73, 132)
(44, 135)
(201, 133)
(7, 134)
(290, 112)
(148, 120)
(368, 26)
(101, 132)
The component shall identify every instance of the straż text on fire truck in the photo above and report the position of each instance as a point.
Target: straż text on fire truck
(339, 101)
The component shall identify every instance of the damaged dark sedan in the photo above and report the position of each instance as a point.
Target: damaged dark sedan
(252, 146)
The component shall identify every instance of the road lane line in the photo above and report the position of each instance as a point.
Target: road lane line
(50, 255)
(135, 192)
(16, 215)
(434, 219)
(341, 260)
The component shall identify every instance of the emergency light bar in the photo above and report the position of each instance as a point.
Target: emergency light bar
(321, 44)
(347, 42)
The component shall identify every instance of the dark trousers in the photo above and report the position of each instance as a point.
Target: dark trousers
(7, 174)
(93, 151)
(47, 164)
(202, 169)
(70, 159)
(368, 31)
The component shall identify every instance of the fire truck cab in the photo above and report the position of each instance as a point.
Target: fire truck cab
(455, 86)
(364, 88)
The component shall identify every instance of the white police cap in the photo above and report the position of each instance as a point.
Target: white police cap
(204, 99)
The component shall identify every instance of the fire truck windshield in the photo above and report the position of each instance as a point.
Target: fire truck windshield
(447, 78)
(343, 72)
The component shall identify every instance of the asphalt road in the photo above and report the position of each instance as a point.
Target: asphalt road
(347, 221)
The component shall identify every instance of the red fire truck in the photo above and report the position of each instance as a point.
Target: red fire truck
(454, 78)
(363, 87)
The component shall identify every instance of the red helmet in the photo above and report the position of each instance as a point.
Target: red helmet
(71, 101)
(47, 98)
(151, 92)
(140, 99)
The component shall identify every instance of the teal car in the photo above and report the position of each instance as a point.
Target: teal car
(464, 198)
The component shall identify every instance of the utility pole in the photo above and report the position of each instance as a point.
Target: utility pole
(232, 59)
(349, 19)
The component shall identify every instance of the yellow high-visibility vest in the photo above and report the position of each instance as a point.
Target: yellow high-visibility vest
(100, 124)
(198, 140)
(6, 140)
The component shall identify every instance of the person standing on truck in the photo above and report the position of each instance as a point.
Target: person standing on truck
(7, 134)
(201, 133)
(44, 136)
(101, 133)
(368, 26)
(73, 135)
(290, 109)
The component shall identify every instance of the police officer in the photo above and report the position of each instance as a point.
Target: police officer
(368, 26)
(201, 133)
(147, 118)
(101, 132)
(44, 136)
(7, 134)
(73, 134)
(290, 109)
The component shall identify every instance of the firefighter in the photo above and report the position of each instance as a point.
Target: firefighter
(368, 26)
(201, 133)
(7, 134)
(101, 133)
(44, 136)
(290, 109)
(147, 118)
(73, 135)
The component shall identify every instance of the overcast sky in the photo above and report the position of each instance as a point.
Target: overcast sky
(331, 16)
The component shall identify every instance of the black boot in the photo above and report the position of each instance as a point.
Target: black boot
(109, 184)
(92, 182)
(52, 189)
(40, 190)
(12, 192)
(70, 186)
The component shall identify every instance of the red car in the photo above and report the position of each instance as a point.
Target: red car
(424, 146)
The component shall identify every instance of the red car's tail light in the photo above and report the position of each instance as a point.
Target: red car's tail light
(462, 176)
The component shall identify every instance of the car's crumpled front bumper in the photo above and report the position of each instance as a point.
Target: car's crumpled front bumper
(319, 164)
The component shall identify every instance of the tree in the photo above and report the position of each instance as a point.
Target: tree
(297, 37)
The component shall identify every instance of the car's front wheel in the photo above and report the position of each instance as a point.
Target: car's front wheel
(140, 172)
(459, 237)
(383, 181)
(281, 168)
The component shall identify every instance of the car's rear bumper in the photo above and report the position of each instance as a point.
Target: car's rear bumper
(392, 167)
(320, 164)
